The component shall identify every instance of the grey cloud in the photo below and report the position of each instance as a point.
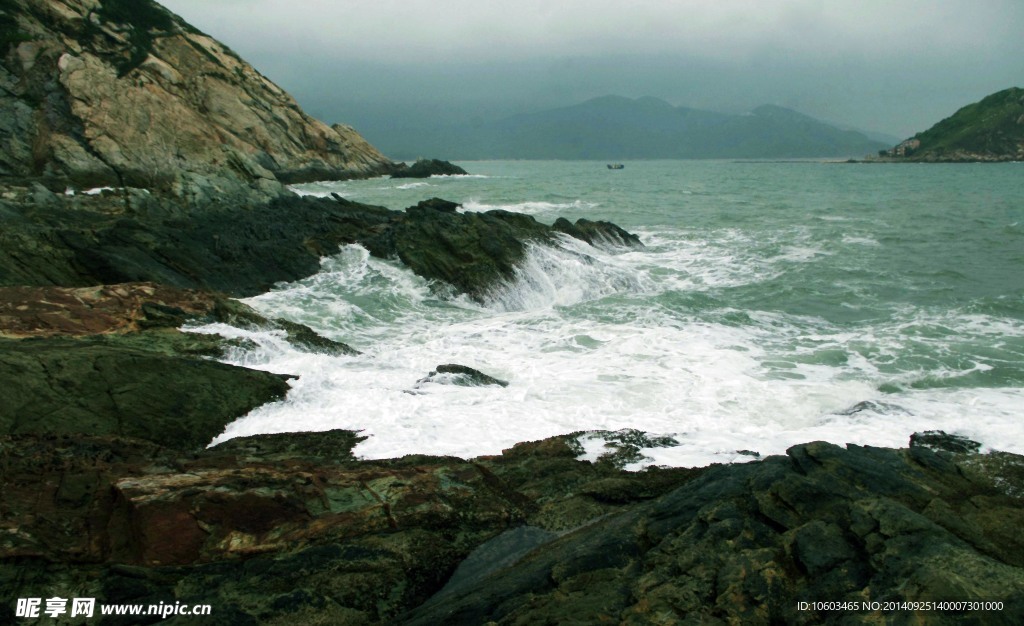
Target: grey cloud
(896, 67)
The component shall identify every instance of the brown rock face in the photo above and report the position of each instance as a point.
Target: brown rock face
(125, 92)
(56, 311)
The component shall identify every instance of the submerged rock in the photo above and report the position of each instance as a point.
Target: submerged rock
(623, 447)
(461, 376)
(939, 440)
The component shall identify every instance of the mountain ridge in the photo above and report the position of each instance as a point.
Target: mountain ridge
(614, 127)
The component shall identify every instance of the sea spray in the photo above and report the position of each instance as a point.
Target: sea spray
(824, 310)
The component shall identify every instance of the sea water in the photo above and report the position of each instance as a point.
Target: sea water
(774, 303)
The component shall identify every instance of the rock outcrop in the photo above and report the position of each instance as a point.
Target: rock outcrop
(133, 236)
(425, 168)
(123, 92)
(284, 529)
(110, 360)
(460, 375)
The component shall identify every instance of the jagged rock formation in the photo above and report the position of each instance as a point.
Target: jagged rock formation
(124, 92)
(81, 240)
(985, 131)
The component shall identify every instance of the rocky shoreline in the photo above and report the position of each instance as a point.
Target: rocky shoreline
(109, 491)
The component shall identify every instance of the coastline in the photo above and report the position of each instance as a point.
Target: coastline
(147, 515)
(110, 490)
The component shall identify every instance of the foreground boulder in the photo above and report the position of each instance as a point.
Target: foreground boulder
(747, 543)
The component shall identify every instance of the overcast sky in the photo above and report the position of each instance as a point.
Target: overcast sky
(895, 66)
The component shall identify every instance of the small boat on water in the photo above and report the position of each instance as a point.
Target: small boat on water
(615, 166)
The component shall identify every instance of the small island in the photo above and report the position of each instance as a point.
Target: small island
(988, 131)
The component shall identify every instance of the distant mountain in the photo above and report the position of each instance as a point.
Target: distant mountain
(989, 130)
(618, 128)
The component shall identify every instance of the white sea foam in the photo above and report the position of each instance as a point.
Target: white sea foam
(671, 339)
(860, 241)
(534, 207)
(570, 273)
(583, 349)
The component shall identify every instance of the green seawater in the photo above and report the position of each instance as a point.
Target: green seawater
(773, 302)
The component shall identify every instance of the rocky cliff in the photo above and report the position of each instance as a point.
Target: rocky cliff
(985, 131)
(124, 92)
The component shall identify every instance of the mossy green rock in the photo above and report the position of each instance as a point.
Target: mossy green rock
(115, 386)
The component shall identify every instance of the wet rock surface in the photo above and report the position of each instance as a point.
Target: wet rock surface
(110, 360)
(267, 529)
(746, 543)
(279, 528)
(235, 244)
(461, 375)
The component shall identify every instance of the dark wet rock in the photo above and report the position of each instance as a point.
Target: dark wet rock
(305, 338)
(461, 376)
(108, 385)
(622, 447)
(234, 243)
(745, 543)
(939, 440)
(471, 252)
(500, 552)
(283, 528)
(434, 204)
(425, 168)
(110, 360)
(597, 233)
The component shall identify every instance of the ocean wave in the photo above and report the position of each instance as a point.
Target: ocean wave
(529, 207)
(564, 274)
